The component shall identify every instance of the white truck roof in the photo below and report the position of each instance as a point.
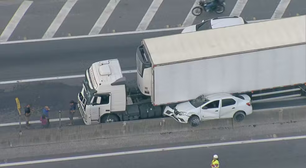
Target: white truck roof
(226, 41)
(105, 73)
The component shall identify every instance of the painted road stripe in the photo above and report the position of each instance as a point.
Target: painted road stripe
(59, 19)
(104, 17)
(100, 35)
(53, 78)
(146, 20)
(151, 151)
(37, 122)
(240, 4)
(190, 17)
(10, 27)
(93, 36)
(280, 9)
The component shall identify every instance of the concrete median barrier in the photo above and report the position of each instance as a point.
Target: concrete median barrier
(274, 116)
(150, 126)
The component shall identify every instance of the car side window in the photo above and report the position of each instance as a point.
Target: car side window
(228, 102)
(214, 104)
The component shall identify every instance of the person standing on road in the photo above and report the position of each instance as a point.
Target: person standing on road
(72, 111)
(27, 113)
(46, 113)
(215, 162)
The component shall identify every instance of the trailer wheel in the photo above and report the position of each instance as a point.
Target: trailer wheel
(108, 118)
(239, 116)
(194, 121)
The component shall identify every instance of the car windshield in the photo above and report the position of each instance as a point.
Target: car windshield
(199, 101)
(204, 25)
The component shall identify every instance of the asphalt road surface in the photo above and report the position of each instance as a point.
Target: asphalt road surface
(68, 57)
(281, 154)
(47, 19)
(73, 56)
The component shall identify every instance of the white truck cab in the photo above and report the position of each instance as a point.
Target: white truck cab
(106, 97)
(103, 84)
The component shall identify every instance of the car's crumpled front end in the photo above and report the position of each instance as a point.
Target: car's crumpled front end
(181, 117)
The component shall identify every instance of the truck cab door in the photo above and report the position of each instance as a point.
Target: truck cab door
(100, 105)
(210, 110)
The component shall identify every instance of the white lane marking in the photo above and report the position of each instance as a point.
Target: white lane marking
(93, 36)
(152, 150)
(10, 27)
(280, 9)
(190, 17)
(99, 35)
(104, 17)
(240, 4)
(59, 19)
(143, 25)
(36, 122)
(53, 78)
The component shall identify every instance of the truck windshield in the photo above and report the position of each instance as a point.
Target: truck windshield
(199, 101)
(89, 93)
(142, 60)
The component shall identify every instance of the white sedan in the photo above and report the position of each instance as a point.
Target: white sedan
(215, 106)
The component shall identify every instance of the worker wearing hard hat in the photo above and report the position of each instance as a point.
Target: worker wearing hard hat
(215, 162)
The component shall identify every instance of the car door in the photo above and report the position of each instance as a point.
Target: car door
(210, 110)
(228, 108)
(100, 105)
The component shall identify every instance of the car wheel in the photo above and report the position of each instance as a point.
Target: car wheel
(239, 116)
(194, 121)
(109, 118)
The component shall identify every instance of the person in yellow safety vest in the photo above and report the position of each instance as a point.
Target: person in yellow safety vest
(215, 162)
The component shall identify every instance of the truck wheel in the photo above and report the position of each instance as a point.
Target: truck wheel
(194, 121)
(239, 116)
(109, 118)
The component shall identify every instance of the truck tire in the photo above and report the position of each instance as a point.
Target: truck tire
(108, 118)
(239, 116)
(194, 121)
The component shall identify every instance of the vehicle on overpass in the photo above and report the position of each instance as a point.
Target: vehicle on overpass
(214, 23)
(265, 60)
(211, 107)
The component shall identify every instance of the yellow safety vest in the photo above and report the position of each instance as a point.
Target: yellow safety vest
(215, 164)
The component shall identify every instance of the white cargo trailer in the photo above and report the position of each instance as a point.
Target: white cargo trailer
(247, 58)
(236, 59)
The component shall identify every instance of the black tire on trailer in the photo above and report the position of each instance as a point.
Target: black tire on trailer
(108, 118)
(239, 116)
(194, 121)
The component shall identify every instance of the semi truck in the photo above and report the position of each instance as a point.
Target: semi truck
(264, 60)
